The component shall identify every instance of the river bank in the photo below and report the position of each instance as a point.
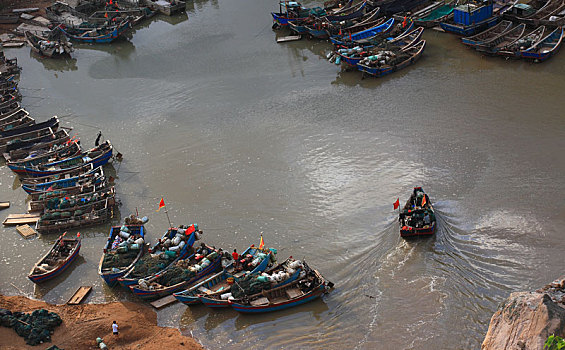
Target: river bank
(82, 324)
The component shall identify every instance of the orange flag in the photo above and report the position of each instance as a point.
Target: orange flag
(423, 201)
(161, 204)
(261, 243)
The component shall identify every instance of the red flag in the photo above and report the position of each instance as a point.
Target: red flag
(161, 204)
(261, 243)
(423, 201)
(396, 204)
(78, 235)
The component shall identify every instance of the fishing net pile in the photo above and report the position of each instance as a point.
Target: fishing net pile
(185, 269)
(51, 194)
(118, 260)
(35, 328)
(66, 202)
(248, 285)
(150, 265)
(383, 58)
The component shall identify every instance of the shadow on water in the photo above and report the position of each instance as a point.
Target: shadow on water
(192, 314)
(42, 289)
(62, 64)
(174, 19)
(121, 48)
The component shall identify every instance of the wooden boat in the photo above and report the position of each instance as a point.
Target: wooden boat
(215, 296)
(189, 236)
(18, 149)
(550, 7)
(190, 296)
(10, 108)
(493, 45)
(308, 288)
(391, 7)
(58, 259)
(292, 11)
(57, 202)
(14, 141)
(407, 57)
(50, 47)
(67, 192)
(99, 214)
(97, 35)
(50, 155)
(64, 175)
(41, 149)
(431, 18)
(116, 261)
(513, 48)
(488, 34)
(86, 180)
(349, 13)
(366, 21)
(165, 282)
(98, 156)
(351, 57)
(5, 135)
(357, 38)
(15, 120)
(545, 48)
(470, 19)
(417, 219)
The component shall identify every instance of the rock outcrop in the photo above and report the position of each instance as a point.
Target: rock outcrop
(526, 319)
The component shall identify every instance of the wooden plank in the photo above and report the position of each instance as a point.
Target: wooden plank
(29, 9)
(22, 216)
(26, 231)
(9, 45)
(160, 303)
(20, 221)
(79, 295)
(4, 205)
(283, 39)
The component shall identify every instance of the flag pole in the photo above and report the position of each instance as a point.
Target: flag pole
(167, 212)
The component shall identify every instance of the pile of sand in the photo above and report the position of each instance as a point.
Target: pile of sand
(82, 324)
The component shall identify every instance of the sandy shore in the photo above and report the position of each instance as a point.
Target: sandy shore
(82, 324)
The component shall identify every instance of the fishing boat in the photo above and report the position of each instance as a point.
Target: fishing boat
(98, 156)
(488, 34)
(158, 259)
(493, 45)
(308, 288)
(545, 48)
(94, 178)
(14, 141)
(527, 41)
(17, 120)
(349, 13)
(58, 259)
(217, 295)
(366, 21)
(166, 7)
(292, 11)
(345, 39)
(417, 218)
(50, 155)
(70, 200)
(60, 221)
(14, 112)
(18, 149)
(351, 57)
(435, 15)
(43, 149)
(385, 64)
(64, 175)
(471, 18)
(5, 135)
(119, 257)
(391, 7)
(70, 191)
(180, 276)
(55, 46)
(97, 35)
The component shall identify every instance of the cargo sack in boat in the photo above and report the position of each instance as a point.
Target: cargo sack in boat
(134, 247)
(124, 228)
(66, 214)
(124, 235)
(170, 254)
(139, 241)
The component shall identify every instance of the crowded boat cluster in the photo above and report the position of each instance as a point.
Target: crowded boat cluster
(92, 21)
(67, 185)
(383, 36)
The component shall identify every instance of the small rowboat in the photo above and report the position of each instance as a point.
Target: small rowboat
(64, 175)
(59, 220)
(432, 16)
(352, 57)
(117, 262)
(5, 135)
(19, 149)
(406, 58)
(215, 296)
(52, 154)
(493, 45)
(11, 143)
(51, 203)
(98, 156)
(417, 219)
(97, 35)
(189, 236)
(93, 178)
(308, 288)
(488, 34)
(58, 259)
(512, 49)
(217, 283)
(55, 46)
(165, 282)
(545, 48)
(39, 149)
